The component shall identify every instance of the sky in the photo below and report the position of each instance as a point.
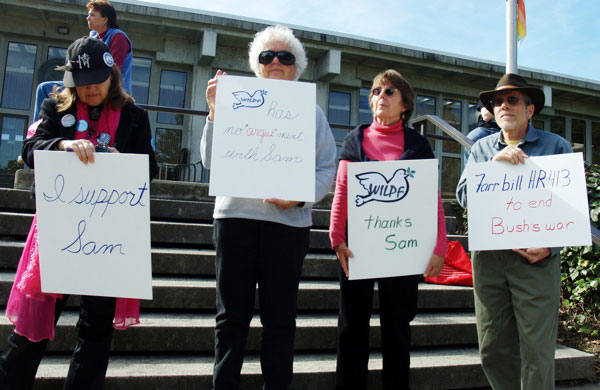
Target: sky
(563, 36)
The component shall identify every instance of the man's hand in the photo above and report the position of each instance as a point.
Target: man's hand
(511, 154)
(533, 255)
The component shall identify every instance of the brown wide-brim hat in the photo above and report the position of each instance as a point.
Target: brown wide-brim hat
(511, 81)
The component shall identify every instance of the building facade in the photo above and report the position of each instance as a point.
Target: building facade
(177, 50)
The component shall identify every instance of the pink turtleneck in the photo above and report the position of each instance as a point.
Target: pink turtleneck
(382, 143)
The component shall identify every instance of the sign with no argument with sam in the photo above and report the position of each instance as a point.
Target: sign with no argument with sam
(540, 204)
(264, 139)
(392, 217)
(94, 224)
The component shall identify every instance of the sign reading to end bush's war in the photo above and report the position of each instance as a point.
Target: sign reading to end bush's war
(392, 217)
(540, 204)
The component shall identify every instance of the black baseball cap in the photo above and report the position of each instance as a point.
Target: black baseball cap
(88, 62)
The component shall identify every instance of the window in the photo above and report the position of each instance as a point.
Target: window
(578, 135)
(140, 79)
(57, 52)
(11, 140)
(339, 108)
(557, 125)
(426, 105)
(168, 145)
(473, 115)
(365, 115)
(596, 142)
(172, 94)
(538, 123)
(452, 114)
(18, 75)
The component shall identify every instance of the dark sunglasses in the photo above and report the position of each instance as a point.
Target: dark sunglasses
(511, 100)
(284, 57)
(388, 91)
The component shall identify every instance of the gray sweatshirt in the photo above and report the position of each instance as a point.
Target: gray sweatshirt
(228, 207)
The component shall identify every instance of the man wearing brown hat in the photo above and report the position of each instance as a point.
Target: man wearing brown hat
(516, 291)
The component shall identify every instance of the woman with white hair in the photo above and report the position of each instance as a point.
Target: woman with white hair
(263, 241)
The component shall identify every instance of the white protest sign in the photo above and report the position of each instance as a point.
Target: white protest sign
(539, 204)
(392, 217)
(94, 224)
(264, 139)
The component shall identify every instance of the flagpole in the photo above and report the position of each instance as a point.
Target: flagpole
(511, 36)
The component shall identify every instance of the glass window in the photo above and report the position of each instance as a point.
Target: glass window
(365, 115)
(140, 79)
(473, 115)
(57, 52)
(172, 94)
(578, 135)
(557, 125)
(18, 75)
(538, 123)
(450, 175)
(168, 145)
(426, 105)
(596, 142)
(11, 141)
(452, 115)
(339, 108)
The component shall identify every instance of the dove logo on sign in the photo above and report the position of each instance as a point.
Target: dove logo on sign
(380, 189)
(245, 99)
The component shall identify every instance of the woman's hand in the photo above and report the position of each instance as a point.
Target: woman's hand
(211, 93)
(282, 204)
(343, 253)
(436, 263)
(83, 148)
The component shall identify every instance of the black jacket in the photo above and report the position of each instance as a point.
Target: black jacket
(416, 147)
(133, 134)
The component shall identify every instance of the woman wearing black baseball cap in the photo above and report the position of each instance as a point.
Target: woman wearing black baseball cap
(92, 113)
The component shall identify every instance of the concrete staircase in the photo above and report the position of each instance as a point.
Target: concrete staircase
(172, 347)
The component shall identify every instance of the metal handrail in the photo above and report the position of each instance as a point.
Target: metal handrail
(451, 132)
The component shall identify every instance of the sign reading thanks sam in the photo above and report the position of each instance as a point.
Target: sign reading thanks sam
(392, 217)
(264, 139)
(539, 204)
(94, 224)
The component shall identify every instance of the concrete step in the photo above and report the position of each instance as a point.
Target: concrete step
(171, 293)
(179, 333)
(186, 261)
(441, 368)
(162, 232)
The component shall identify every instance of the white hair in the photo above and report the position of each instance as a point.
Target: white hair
(276, 34)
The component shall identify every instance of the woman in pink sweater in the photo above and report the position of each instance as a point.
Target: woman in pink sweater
(387, 138)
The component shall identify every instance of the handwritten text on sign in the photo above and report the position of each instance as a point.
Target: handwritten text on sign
(540, 204)
(94, 224)
(392, 217)
(264, 139)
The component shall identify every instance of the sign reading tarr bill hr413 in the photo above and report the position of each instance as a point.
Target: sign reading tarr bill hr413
(540, 204)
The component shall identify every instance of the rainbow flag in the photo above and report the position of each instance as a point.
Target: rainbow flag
(521, 21)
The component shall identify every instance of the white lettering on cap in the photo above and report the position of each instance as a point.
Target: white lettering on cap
(83, 60)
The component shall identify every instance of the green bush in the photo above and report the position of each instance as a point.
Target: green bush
(580, 307)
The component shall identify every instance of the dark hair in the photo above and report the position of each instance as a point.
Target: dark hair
(393, 77)
(106, 9)
(116, 94)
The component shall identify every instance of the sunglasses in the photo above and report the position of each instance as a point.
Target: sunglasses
(388, 91)
(284, 57)
(511, 100)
